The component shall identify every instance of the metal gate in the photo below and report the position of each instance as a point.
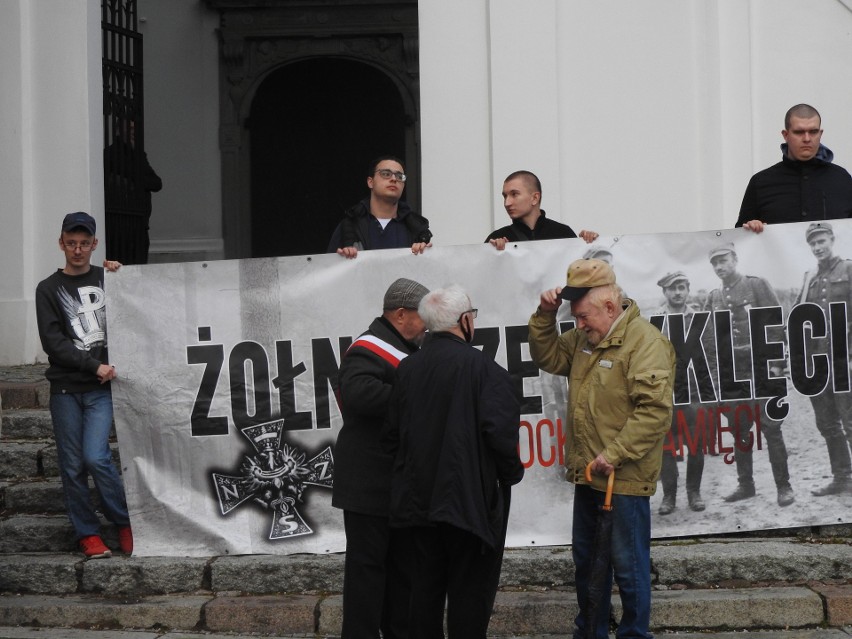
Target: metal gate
(128, 178)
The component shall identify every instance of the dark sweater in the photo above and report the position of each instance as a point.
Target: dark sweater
(545, 229)
(71, 316)
(794, 191)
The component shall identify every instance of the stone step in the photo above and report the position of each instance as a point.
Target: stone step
(33, 459)
(42, 495)
(28, 389)
(525, 613)
(675, 566)
(26, 424)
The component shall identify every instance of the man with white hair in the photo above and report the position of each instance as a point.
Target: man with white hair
(453, 427)
(620, 370)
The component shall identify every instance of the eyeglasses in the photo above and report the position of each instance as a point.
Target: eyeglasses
(388, 174)
(472, 311)
(83, 246)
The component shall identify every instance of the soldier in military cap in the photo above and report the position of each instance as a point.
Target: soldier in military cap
(738, 294)
(676, 291)
(831, 282)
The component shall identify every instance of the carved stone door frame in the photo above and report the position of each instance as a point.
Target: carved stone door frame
(257, 37)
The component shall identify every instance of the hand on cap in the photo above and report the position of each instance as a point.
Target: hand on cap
(755, 226)
(550, 300)
(499, 243)
(418, 247)
(349, 252)
(588, 236)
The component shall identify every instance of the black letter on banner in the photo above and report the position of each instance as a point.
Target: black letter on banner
(729, 386)
(325, 374)
(520, 368)
(806, 323)
(658, 321)
(839, 346)
(257, 386)
(488, 339)
(286, 385)
(201, 422)
(689, 348)
(764, 351)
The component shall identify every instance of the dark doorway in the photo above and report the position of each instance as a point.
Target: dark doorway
(314, 127)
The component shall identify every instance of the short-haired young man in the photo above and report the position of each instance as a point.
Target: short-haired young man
(805, 186)
(522, 201)
(71, 315)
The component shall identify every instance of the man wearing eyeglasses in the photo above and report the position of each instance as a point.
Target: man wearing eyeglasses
(453, 427)
(381, 221)
(71, 316)
(805, 185)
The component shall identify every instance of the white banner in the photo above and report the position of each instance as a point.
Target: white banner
(226, 414)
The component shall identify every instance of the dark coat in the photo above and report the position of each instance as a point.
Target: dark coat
(354, 229)
(453, 426)
(362, 469)
(545, 229)
(794, 191)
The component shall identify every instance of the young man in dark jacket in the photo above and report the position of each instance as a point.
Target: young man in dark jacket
(381, 221)
(376, 590)
(804, 186)
(453, 427)
(71, 315)
(522, 201)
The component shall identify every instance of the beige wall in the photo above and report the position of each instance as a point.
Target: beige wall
(638, 116)
(50, 149)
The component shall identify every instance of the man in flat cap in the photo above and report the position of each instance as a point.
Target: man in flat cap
(738, 294)
(676, 291)
(620, 371)
(831, 282)
(376, 588)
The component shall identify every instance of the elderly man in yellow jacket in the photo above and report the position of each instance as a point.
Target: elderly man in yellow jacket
(620, 372)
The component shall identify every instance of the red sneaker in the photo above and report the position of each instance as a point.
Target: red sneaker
(125, 539)
(93, 547)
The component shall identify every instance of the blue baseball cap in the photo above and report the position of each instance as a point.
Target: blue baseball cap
(79, 220)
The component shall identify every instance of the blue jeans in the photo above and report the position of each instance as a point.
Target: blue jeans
(630, 560)
(81, 427)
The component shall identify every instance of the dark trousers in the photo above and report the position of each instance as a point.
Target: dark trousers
(376, 588)
(453, 565)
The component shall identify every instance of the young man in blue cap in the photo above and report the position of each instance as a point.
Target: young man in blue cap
(71, 315)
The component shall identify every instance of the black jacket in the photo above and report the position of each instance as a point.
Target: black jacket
(545, 229)
(71, 316)
(354, 229)
(794, 191)
(362, 469)
(453, 426)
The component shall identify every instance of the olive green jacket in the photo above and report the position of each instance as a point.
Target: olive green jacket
(619, 396)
